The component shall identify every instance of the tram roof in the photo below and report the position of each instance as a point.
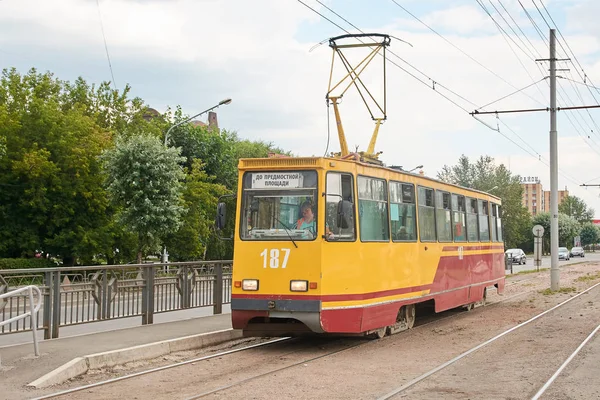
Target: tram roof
(321, 162)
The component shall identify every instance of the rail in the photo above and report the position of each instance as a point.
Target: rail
(32, 313)
(86, 294)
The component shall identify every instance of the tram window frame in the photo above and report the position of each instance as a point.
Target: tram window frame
(459, 208)
(499, 224)
(352, 194)
(386, 220)
(424, 205)
(484, 206)
(494, 222)
(443, 202)
(470, 207)
(404, 200)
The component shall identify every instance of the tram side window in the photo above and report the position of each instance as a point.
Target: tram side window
(372, 209)
(459, 218)
(403, 212)
(426, 215)
(499, 222)
(494, 220)
(484, 225)
(444, 225)
(339, 187)
(472, 228)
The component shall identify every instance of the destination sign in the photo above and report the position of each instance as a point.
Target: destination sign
(277, 180)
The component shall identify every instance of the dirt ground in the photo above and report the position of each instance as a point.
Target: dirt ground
(513, 367)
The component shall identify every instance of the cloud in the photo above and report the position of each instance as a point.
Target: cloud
(195, 53)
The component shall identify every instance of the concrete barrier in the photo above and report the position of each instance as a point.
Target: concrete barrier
(80, 365)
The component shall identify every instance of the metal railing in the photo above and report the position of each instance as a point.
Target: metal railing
(32, 313)
(79, 295)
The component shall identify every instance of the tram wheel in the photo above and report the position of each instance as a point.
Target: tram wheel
(469, 306)
(379, 333)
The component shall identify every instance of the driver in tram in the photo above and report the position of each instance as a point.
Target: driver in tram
(307, 222)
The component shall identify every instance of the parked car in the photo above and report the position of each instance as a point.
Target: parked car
(563, 253)
(516, 256)
(577, 252)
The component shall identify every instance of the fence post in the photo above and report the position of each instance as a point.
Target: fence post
(55, 304)
(218, 289)
(48, 305)
(185, 288)
(148, 295)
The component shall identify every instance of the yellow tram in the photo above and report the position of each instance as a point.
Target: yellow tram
(346, 245)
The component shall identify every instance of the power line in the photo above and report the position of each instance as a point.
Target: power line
(580, 83)
(105, 45)
(518, 27)
(504, 35)
(537, 155)
(513, 93)
(459, 49)
(433, 82)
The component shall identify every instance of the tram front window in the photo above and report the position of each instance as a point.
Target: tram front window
(279, 205)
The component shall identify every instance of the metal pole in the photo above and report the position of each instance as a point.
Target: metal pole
(48, 305)
(554, 271)
(218, 290)
(33, 322)
(55, 304)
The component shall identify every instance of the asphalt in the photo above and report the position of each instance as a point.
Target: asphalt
(19, 366)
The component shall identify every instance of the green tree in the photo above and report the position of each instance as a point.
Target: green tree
(568, 228)
(484, 175)
(144, 180)
(575, 207)
(200, 195)
(589, 234)
(52, 199)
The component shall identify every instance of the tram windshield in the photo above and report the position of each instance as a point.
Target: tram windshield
(279, 205)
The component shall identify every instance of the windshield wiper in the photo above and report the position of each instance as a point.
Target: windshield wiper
(287, 230)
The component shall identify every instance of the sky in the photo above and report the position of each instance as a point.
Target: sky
(264, 55)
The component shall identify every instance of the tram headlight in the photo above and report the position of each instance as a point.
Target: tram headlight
(250, 284)
(299, 286)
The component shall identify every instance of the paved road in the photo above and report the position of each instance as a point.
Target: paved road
(546, 262)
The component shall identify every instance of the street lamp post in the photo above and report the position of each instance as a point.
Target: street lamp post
(221, 103)
(165, 255)
(417, 167)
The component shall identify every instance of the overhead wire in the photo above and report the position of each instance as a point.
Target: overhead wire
(461, 50)
(504, 33)
(536, 155)
(105, 45)
(434, 82)
(564, 93)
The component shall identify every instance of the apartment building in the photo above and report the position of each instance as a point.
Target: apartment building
(535, 198)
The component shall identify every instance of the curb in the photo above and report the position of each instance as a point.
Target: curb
(80, 365)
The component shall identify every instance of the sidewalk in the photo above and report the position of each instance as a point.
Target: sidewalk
(19, 366)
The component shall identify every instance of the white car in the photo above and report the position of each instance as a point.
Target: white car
(563, 254)
(517, 256)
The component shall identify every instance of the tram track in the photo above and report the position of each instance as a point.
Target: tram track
(404, 389)
(421, 323)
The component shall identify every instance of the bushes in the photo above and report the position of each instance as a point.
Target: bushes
(25, 263)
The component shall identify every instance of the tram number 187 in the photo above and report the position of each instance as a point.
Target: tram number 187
(274, 259)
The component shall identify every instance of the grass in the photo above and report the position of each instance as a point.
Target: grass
(588, 277)
(549, 291)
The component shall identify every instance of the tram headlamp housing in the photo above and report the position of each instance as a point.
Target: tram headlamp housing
(250, 284)
(299, 286)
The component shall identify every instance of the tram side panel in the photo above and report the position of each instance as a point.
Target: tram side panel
(365, 284)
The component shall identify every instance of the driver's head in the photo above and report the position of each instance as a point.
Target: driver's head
(306, 208)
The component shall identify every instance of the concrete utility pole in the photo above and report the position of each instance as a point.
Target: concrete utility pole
(554, 271)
